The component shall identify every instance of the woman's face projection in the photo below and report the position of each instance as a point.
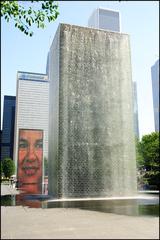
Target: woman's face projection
(30, 160)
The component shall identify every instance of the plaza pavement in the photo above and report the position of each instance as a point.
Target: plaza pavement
(19, 222)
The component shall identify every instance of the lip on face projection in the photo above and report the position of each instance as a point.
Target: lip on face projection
(30, 170)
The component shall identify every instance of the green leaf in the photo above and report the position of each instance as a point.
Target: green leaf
(21, 15)
(29, 11)
(42, 25)
(29, 22)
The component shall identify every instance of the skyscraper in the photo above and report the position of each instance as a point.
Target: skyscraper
(8, 127)
(155, 93)
(106, 19)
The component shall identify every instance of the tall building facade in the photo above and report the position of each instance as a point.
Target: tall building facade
(47, 65)
(91, 137)
(7, 137)
(155, 93)
(106, 19)
(31, 107)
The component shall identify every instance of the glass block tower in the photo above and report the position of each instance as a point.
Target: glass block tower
(32, 106)
(136, 122)
(91, 130)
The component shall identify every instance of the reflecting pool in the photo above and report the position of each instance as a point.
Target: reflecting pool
(141, 206)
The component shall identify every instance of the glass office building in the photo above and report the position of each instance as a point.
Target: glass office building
(155, 93)
(106, 19)
(7, 137)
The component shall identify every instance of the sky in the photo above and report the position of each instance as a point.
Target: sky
(140, 19)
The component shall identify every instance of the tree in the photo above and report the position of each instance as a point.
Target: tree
(8, 167)
(148, 158)
(1, 169)
(25, 17)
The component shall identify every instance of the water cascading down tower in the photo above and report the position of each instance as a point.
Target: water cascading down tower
(91, 136)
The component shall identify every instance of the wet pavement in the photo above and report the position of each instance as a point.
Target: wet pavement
(44, 220)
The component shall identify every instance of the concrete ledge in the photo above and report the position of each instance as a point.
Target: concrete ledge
(140, 196)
